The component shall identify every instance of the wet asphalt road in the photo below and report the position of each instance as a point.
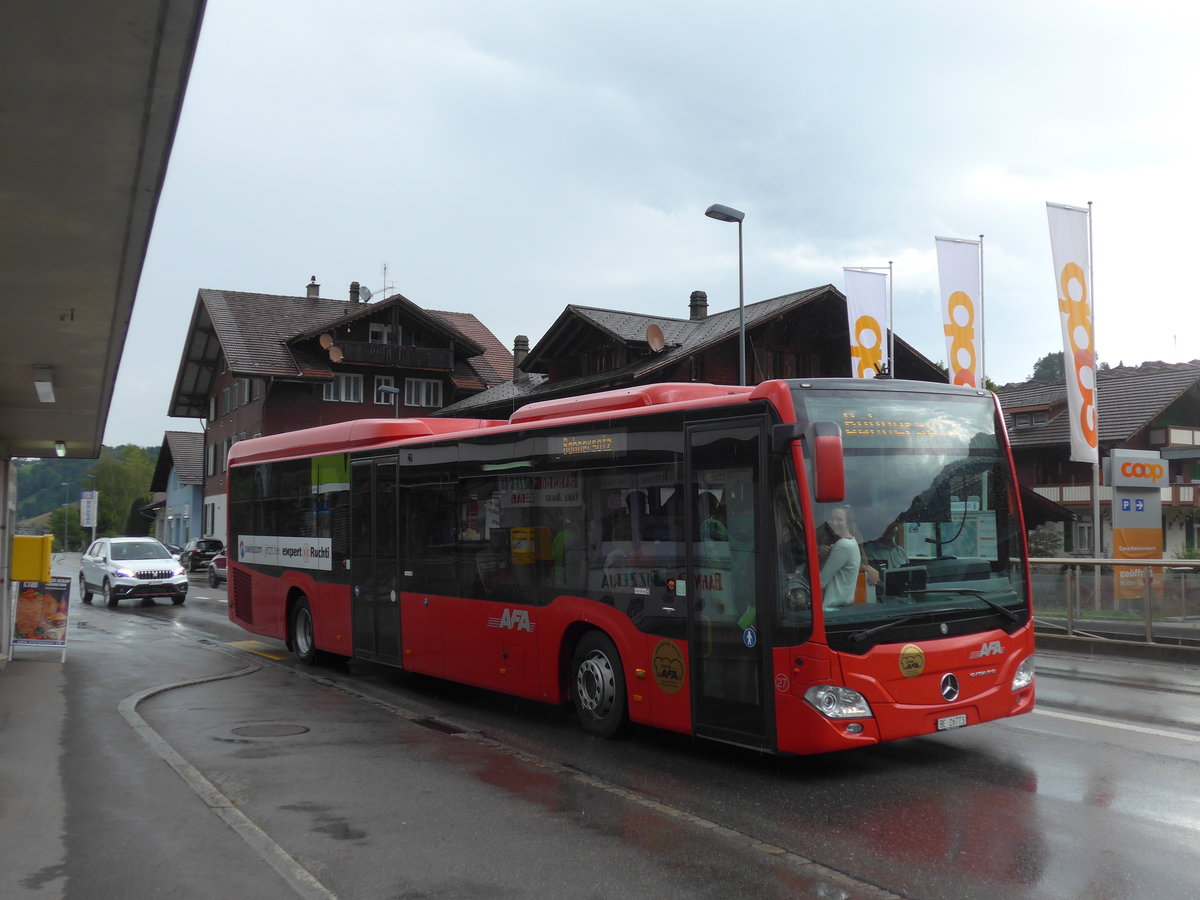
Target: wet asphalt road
(384, 785)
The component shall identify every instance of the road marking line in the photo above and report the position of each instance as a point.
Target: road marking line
(258, 648)
(1108, 723)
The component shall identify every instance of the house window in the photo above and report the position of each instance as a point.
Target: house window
(422, 392)
(344, 389)
(225, 401)
(212, 408)
(256, 388)
(379, 333)
(243, 391)
(384, 398)
(1083, 535)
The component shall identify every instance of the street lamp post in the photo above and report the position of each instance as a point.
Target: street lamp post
(66, 504)
(395, 392)
(729, 214)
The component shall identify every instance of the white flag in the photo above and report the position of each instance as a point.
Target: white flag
(1072, 281)
(962, 309)
(866, 309)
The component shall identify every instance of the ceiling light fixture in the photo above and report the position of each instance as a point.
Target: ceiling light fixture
(43, 383)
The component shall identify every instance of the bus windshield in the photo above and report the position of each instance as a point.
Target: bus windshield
(927, 540)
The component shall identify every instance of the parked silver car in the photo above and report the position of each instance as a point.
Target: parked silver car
(123, 567)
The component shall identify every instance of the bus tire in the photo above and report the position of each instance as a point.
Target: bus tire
(301, 632)
(598, 685)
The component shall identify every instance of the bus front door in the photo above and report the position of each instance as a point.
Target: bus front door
(726, 623)
(374, 592)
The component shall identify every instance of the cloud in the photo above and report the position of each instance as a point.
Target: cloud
(508, 159)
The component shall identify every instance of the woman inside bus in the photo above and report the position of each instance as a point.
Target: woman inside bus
(840, 557)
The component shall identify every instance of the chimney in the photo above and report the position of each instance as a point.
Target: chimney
(354, 287)
(699, 306)
(520, 351)
(314, 289)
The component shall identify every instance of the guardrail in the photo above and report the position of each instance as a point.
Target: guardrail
(1155, 600)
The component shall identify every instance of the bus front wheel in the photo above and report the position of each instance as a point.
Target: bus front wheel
(303, 641)
(598, 683)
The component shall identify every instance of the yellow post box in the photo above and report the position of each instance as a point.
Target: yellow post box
(31, 558)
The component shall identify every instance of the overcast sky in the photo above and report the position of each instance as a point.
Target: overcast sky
(508, 158)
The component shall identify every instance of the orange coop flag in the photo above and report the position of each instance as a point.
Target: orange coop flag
(866, 309)
(1069, 245)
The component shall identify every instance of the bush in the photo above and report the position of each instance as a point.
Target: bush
(1046, 541)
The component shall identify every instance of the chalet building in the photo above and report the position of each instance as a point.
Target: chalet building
(799, 335)
(1155, 406)
(256, 364)
(179, 478)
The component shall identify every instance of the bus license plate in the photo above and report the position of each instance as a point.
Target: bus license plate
(952, 722)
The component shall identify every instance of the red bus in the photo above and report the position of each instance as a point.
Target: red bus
(663, 555)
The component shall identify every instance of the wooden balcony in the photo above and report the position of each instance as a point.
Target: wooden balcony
(434, 359)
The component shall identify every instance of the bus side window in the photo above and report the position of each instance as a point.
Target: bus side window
(428, 537)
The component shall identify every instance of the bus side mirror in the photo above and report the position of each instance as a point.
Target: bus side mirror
(829, 464)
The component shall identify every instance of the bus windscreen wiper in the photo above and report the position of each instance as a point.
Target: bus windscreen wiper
(978, 595)
(859, 636)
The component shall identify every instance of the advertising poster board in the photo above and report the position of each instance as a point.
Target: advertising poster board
(41, 614)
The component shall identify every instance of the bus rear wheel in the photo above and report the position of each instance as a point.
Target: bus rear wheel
(301, 632)
(598, 685)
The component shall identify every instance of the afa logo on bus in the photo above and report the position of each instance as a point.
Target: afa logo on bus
(512, 620)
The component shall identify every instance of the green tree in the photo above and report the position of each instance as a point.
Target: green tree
(136, 522)
(123, 479)
(1049, 368)
(76, 536)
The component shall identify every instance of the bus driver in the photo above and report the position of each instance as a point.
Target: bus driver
(841, 559)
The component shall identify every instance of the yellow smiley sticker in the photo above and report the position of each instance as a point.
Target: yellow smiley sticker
(668, 667)
(912, 661)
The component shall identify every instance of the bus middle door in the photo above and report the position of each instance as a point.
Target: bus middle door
(374, 592)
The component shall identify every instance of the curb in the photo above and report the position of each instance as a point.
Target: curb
(1165, 653)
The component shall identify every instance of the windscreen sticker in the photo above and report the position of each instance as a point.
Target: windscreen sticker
(912, 661)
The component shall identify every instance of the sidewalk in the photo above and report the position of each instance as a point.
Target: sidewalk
(153, 764)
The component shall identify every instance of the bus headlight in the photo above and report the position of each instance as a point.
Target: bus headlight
(836, 702)
(1024, 676)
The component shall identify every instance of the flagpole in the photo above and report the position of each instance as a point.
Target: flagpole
(1097, 543)
(891, 324)
(982, 323)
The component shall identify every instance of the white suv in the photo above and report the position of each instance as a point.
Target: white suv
(131, 567)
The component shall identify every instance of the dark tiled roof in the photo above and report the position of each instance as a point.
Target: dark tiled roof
(495, 364)
(268, 335)
(254, 329)
(428, 319)
(1128, 398)
(683, 338)
(182, 451)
